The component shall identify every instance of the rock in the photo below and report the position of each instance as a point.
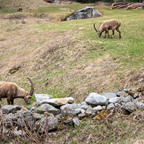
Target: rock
(109, 95)
(85, 107)
(121, 93)
(96, 99)
(130, 107)
(10, 109)
(18, 132)
(69, 120)
(12, 116)
(97, 108)
(110, 106)
(127, 99)
(46, 107)
(89, 112)
(46, 125)
(81, 115)
(115, 100)
(25, 116)
(87, 12)
(38, 116)
(140, 105)
(76, 121)
(41, 97)
(70, 109)
(58, 101)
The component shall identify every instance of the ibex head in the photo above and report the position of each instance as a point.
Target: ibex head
(99, 31)
(28, 95)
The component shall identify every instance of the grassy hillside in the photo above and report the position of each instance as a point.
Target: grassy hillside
(68, 58)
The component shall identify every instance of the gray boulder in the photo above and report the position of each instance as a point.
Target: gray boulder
(70, 109)
(87, 12)
(25, 116)
(130, 106)
(46, 107)
(109, 95)
(46, 125)
(140, 105)
(76, 121)
(58, 101)
(10, 109)
(110, 106)
(97, 108)
(96, 99)
(115, 100)
(41, 97)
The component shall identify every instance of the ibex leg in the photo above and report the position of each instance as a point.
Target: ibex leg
(119, 32)
(108, 33)
(112, 34)
(105, 34)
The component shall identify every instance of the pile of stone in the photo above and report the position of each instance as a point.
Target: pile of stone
(51, 111)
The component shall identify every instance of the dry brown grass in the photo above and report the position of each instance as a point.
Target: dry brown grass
(58, 60)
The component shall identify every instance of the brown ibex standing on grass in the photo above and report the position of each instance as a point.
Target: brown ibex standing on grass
(107, 25)
(11, 91)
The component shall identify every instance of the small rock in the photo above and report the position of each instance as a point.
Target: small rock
(109, 95)
(115, 100)
(43, 125)
(97, 108)
(110, 106)
(121, 93)
(58, 101)
(69, 120)
(38, 116)
(130, 107)
(81, 115)
(10, 109)
(127, 99)
(76, 121)
(46, 107)
(41, 97)
(70, 109)
(140, 105)
(96, 99)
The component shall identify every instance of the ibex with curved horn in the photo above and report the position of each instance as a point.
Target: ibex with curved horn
(107, 25)
(11, 91)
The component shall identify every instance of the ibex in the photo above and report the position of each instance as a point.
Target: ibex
(11, 91)
(109, 25)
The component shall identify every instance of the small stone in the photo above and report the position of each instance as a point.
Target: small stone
(96, 99)
(140, 105)
(130, 106)
(114, 100)
(58, 101)
(70, 109)
(76, 121)
(46, 107)
(81, 115)
(38, 116)
(69, 120)
(97, 108)
(109, 95)
(10, 109)
(110, 106)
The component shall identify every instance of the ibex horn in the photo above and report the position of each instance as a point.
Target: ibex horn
(32, 87)
(95, 27)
